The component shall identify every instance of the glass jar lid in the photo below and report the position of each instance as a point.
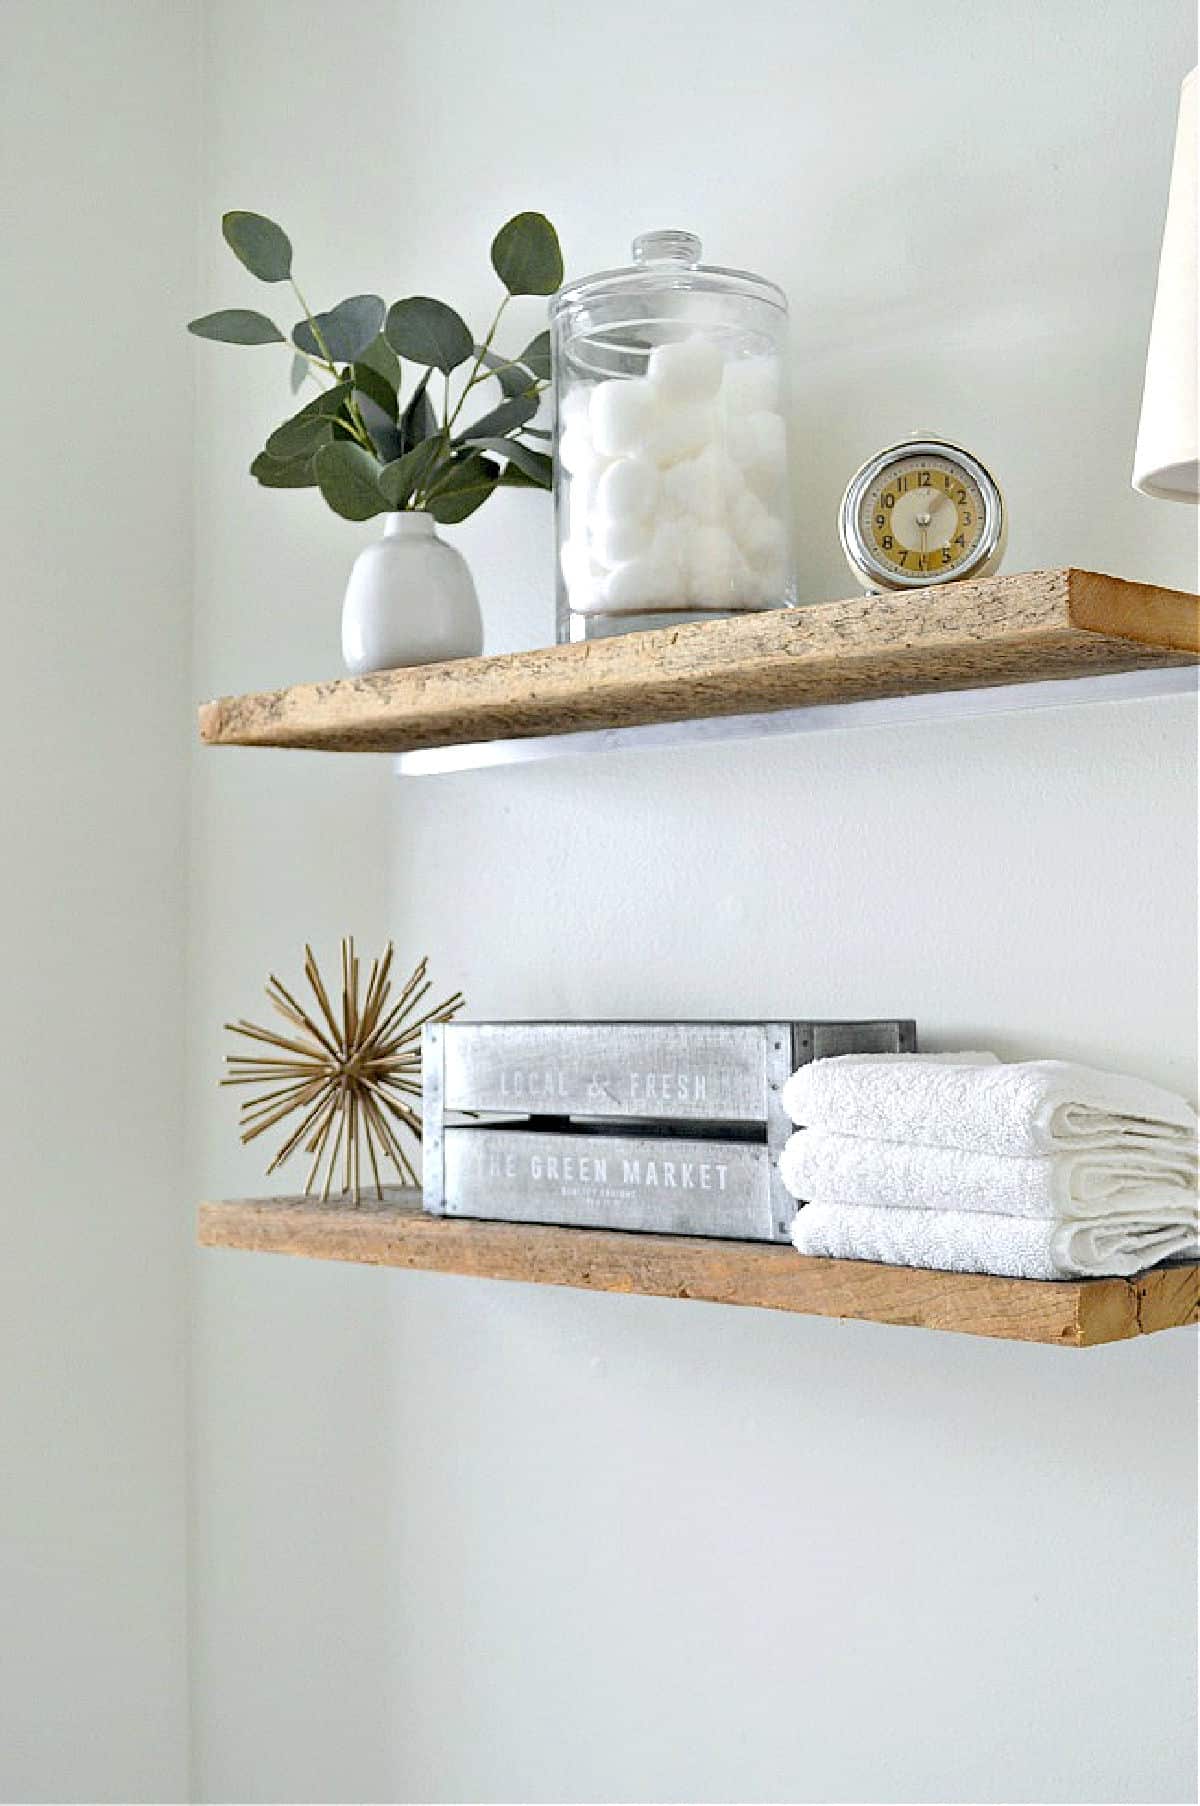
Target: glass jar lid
(666, 260)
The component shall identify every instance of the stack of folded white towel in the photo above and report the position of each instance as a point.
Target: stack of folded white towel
(1044, 1170)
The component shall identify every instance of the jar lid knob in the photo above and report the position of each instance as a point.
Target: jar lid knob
(667, 247)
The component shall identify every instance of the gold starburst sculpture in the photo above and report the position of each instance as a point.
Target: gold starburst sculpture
(354, 1073)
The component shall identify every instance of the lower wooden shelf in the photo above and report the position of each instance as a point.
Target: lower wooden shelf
(1068, 1313)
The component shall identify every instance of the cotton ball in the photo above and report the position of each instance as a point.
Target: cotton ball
(581, 502)
(628, 488)
(573, 410)
(681, 432)
(577, 454)
(688, 371)
(715, 566)
(641, 584)
(579, 575)
(768, 544)
(747, 517)
(706, 486)
(669, 551)
(618, 538)
(766, 461)
(622, 416)
(750, 384)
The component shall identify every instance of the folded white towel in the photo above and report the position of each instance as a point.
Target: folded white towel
(975, 1241)
(1038, 1107)
(820, 1167)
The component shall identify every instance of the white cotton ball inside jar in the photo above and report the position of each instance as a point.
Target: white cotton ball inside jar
(763, 439)
(688, 371)
(682, 432)
(582, 578)
(580, 508)
(750, 384)
(617, 538)
(577, 455)
(717, 573)
(707, 486)
(768, 543)
(627, 489)
(637, 586)
(573, 411)
(747, 517)
(669, 551)
(622, 414)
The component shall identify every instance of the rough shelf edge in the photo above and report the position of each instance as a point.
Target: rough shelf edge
(1062, 1313)
(1024, 627)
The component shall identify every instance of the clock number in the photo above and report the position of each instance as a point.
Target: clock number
(946, 558)
(924, 479)
(904, 557)
(881, 520)
(888, 542)
(889, 500)
(902, 485)
(966, 520)
(962, 494)
(960, 540)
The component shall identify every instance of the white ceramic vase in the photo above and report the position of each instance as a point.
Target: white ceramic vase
(410, 600)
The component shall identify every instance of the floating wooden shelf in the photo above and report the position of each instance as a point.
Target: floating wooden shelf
(1036, 627)
(1068, 1313)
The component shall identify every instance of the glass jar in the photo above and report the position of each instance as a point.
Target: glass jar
(671, 482)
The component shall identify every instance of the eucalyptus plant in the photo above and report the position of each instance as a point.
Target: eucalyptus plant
(362, 441)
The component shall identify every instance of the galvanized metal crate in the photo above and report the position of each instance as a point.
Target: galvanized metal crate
(672, 1127)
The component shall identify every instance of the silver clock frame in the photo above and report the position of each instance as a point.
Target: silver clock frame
(993, 539)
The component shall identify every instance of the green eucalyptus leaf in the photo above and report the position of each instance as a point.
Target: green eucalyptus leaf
(466, 487)
(312, 426)
(418, 420)
(526, 255)
(385, 434)
(283, 473)
(401, 479)
(346, 330)
(503, 419)
(348, 479)
(264, 247)
(367, 381)
(428, 332)
(535, 467)
(536, 356)
(237, 326)
(298, 373)
(299, 438)
(380, 357)
(509, 374)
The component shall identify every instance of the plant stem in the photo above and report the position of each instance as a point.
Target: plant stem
(475, 368)
(358, 425)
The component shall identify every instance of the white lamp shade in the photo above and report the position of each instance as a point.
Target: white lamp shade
(1165, 463)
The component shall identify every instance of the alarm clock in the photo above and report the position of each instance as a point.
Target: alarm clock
(922, 512)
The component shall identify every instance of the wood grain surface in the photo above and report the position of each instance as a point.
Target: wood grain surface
(1067, 1313)
(1028, 628)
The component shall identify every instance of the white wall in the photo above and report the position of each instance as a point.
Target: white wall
(461, 1540)
(99, 120)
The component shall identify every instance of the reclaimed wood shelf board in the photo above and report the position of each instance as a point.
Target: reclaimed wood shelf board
(1067, 1313)
(1036, 627)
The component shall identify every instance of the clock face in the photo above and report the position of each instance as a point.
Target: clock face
(920, 514)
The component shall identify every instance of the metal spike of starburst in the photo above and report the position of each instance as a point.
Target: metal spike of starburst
(353, 1074)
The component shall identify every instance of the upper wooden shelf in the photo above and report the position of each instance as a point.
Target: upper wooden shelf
(1067, 1313)
(1035, 627)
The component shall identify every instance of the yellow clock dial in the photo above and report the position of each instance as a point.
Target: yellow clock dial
(922, 516)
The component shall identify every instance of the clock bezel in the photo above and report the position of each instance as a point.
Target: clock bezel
(982, 560)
